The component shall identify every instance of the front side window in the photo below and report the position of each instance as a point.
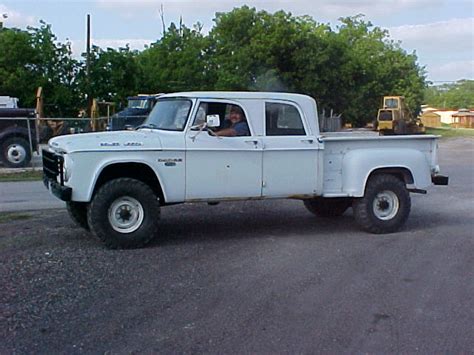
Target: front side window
(283, 120)
(169, 114)
(232, 118)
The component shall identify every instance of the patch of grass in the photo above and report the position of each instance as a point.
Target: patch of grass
(22, 175)
(451, 132)
(13, 216)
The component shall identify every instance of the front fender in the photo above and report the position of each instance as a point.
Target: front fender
(357, 165)
(84, 179)
(111, 162)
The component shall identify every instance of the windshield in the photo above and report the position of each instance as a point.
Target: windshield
(137, 103)
(391, 103)
(169, 114)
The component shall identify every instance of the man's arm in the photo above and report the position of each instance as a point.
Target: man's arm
(227, 132)
(239, 129)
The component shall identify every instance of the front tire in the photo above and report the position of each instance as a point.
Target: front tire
(385, 206)
(328, 207)
(124, 213)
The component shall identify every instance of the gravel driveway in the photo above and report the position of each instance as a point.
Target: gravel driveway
(248, 277)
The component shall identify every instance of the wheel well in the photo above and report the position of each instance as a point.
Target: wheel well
(15, 135)
(403, 174)
(17, 132)
(136, 171)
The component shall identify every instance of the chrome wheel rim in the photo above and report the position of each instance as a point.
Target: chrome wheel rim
(126, 214)
(16, 153)
(386, 205)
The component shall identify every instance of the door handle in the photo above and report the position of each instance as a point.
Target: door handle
(253, 141)
(309, 140)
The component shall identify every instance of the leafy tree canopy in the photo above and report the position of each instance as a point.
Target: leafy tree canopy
(348, 68)
(33, 58)
(455, 95)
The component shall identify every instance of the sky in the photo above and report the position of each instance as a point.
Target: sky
(441, 32)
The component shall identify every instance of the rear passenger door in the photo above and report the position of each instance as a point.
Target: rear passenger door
(290, 152)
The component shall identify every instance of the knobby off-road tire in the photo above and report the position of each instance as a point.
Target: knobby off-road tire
(78, 213)
(124, 213)
(16, 152)
(328, 207)
(385, 206)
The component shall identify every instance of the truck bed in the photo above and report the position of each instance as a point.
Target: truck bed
(353, 151)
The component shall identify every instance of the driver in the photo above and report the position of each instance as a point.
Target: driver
(235, 125)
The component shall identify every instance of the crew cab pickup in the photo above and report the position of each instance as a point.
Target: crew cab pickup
(115, 183)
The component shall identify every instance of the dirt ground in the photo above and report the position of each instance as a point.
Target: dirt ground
(260, 276)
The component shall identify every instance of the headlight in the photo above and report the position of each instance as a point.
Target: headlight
(67, 167)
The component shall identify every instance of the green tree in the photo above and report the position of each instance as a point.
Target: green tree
(455, 96)
(179, 61)
(347, 70)
(375, 67)
(114, 75)
(56, 71)
(16, 56)
(33, 58)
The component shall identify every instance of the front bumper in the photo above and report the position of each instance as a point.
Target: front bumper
(52, 170)
(440, 180)
(62, 192)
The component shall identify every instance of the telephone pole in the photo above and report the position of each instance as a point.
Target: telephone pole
(88, 65)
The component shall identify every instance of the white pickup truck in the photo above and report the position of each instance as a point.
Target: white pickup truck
(115, 183)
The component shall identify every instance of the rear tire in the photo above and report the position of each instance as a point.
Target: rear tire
(328, 207)
(16, 152)
(78, 213)
(124, 213)
(385, 206)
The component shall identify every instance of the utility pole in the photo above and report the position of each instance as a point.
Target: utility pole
(88, 65)
(162, 16)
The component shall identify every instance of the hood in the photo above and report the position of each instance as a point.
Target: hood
(106, 141)
(132, 111)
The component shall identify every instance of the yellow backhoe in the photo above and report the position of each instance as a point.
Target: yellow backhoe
(395, 118)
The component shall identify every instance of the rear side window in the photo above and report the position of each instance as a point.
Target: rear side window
(283, 120)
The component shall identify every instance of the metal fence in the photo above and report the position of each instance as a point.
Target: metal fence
(36, 127)
(329, 123)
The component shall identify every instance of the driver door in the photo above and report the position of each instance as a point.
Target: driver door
(221, 167)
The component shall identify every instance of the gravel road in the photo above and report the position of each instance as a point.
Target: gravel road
(249, 277)
(27, 196)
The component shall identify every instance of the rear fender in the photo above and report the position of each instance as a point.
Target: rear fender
(14, 131)
(358, 165)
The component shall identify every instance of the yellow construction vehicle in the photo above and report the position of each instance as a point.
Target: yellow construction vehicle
(395, 118)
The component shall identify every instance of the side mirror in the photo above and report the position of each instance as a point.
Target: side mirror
(213, 121)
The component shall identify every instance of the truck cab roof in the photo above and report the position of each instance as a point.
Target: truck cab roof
(252, 103)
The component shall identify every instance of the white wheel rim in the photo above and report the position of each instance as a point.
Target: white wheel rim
(386, 205)
(16, 153)
(126, 214)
